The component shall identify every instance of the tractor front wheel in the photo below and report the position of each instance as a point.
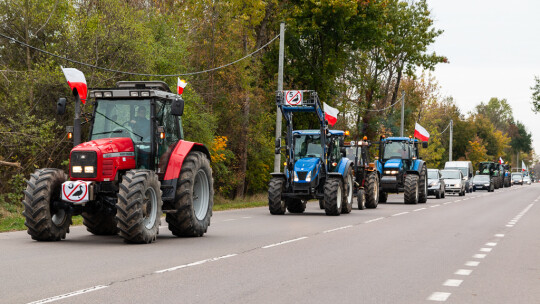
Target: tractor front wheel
(100, 223)
(361, 198)
(194, 197)
(44, 220)
(422, 186)
(383, 197)
(372, 191)
(295, 205)
(333, 196)
(349, 192)
(411, 189)
(275, 203)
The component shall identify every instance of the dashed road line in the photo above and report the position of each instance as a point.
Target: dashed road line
(284, 242)
(70, 294)
(452, 283)
(472, 263)
(419, 209)
(486, 249)
(374, 220)
(439, 296)
(196, 263)
(401, 213)
(336, 229)
(500, 235)
(492, 244)
(434, 206)
(464, 272)
(479, 255)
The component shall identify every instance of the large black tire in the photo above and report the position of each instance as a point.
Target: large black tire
(348, 192)
(321, 203)
(438, 194)
(138, 210)
(372, 190)
(361, 199)
(194, 198)
(333, 196)
(100, 223)
(411, 189)
(295, 205)
(383, 197)
(275, 203)
(496, 184)
(443, 194)
(43, 221)
(422, 186)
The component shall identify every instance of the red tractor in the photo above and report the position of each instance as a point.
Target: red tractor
(135, 167)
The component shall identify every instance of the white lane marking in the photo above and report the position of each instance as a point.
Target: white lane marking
(246, 217)
(491, 244)
(464, 272)
(479, 255)
(284, 242)
(509, 225)
(439, 296)
(401, 213)
(373, 220)
(229, 220)
(419, 209)
(472, 263)
(195, 263)
(457, 201)
(453, 283)
(70, 294)
(434, 206)
(336, 229)
(447, 203)
(486, 249)
(499, 235)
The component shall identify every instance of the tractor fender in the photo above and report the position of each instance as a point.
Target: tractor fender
(279, 175)
(378, 167)
(178, 155)
(343, 167)
(417, 165)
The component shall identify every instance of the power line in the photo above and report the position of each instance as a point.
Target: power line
(383, 109)
(131, 73)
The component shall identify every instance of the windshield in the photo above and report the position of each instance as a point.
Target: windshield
(307, 146)
(517, 176)
(463, 170)
(450, 174)
(481, 178)
(122, 118)
(432, 174)
(396, 149)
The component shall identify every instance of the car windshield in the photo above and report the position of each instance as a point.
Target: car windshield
(432, 174)
(396, 149)
(517, 176)
(122, 118)
(526, 178)
(450, 174)
(307, 146)
(463, 170)
(481, 178)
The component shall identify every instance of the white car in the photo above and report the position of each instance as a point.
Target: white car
(527, 180)
(454, 180)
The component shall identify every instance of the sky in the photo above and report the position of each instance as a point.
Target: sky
(494, 51)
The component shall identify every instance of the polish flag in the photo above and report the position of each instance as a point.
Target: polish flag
(421, 133)
(523, 166)
(501, 161)
(330, 114)
(181, 85)
(76, 81)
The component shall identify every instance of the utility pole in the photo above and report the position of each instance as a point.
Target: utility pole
(77, 120)
(451, 139)
(402, 113)
(277, 157)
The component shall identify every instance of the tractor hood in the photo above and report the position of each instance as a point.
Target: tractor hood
(107, 145)
(393, 163)
(306, 164)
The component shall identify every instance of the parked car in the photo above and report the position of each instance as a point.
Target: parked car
(436, 184)
(483, 182)
(517, 178)
(466, 169)
(454, 182)
(527, 180)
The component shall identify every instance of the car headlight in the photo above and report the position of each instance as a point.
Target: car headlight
(295, 177)
(434, 184)
(308, 177)
(487, 185)
(76, 169)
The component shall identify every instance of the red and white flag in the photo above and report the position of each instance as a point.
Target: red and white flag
(330, 114)
(421, 133)
(501, 161)
(76, 81)
(181, 85)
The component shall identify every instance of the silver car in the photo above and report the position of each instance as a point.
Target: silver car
(454, 181)
(436, 185)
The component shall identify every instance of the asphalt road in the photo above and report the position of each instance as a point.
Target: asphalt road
(481, 248)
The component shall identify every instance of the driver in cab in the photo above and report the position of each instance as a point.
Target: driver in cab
(140, 124)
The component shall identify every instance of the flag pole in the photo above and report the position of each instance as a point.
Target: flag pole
(277, 157)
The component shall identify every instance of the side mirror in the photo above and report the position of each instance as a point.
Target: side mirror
(61, 106)
(177, 107)
(424, 144)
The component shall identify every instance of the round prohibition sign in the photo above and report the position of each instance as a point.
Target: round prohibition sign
(294, 98)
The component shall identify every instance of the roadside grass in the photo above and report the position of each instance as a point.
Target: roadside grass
(11, 218)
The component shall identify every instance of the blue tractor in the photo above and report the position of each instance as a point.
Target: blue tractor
(401, 169)
(315, 166)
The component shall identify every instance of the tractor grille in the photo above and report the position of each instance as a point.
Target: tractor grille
(83, 159)
(108, 167)
(301, 175)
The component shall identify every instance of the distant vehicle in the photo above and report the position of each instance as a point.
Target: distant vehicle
(454, 181)
(527, 180)
(466, 169)
(507, 174)
(436, 185)
(517, 178)
(483, 182)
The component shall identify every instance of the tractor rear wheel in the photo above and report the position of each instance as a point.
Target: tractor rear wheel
(361, 198)
(138, 210)
(383, 197)
(333, 196)
(349, 192)
(194, 197)
(45, 222)
(100, 223)
(422, 185)
(372, 190)
(321, 203)
(295, 205)
(411, 189)
(275, 203)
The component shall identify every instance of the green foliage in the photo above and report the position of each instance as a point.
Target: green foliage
(536, 94)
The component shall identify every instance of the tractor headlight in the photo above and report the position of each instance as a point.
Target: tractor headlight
(308, 177)
(88, 169)
(391, 172)
(76, 169)
(295, 176)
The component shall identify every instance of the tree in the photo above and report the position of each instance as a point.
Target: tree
(536, 95)
(498, 111)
